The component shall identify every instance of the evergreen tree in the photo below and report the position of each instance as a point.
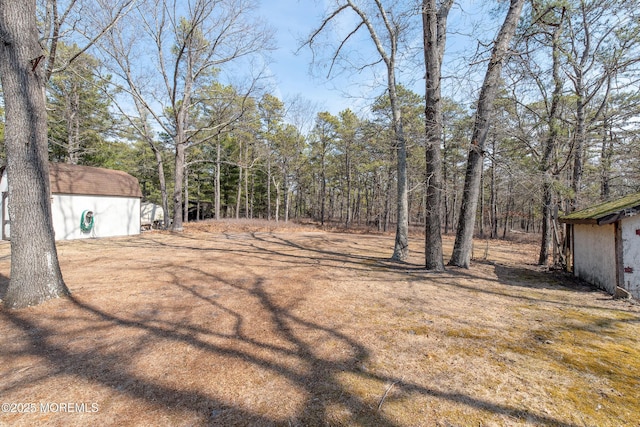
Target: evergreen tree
(80, 122)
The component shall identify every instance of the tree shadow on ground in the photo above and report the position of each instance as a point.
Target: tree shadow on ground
(527, 277)
(319, 253)
(292, 339)
(537, 277)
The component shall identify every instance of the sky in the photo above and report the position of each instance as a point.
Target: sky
(294, 20)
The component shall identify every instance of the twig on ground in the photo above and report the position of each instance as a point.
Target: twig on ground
(384, 396)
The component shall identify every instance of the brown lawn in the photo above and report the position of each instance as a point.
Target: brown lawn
(240, 324)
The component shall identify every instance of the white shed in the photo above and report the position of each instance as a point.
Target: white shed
(604, 241)
(86, 202)
(151, 216)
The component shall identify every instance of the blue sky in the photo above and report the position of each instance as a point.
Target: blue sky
(295, 19)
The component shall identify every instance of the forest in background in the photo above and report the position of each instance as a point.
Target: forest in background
(564, 130)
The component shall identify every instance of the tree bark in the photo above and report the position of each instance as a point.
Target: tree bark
(35, 271)
(268, 181)
(481, 210)
(348, 176)
(73, 127)
(162, 180)
(461, 256)
(247, 213)
(606, 160)
(239, 191)
(323, 181)
(581, 136)
(178, 184)
(434, 37)
(185, 205)
(401, 247)
(550, 144)
(494, 196)
(278, 195)
(217, 179)
(287, 198)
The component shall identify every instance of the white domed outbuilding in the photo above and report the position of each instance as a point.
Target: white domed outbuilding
(85, 202)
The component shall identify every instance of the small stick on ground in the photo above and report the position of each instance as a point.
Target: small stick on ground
(384, 396)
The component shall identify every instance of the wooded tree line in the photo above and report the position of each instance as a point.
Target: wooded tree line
(553, 127)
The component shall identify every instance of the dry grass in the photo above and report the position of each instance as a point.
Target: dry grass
(243, 324)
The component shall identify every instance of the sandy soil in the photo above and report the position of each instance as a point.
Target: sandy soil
(239, 324)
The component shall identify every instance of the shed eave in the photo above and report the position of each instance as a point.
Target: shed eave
(606, 212)
(610, 219)
(60, 193)
(578, 221)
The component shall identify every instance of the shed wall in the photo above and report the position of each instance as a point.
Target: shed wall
(151, 213)
(594, 255)
(113, 216)
(631, 254)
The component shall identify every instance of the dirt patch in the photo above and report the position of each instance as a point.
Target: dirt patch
(247, 324)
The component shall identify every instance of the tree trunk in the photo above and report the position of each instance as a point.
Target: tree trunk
(494, 200)
(278, 195)
(481, 210)
(239, 192)
(401, 247)
(287, 198)
(269, 183)
(547, 199)
(606, 160)
(461, 256)
(387, 200)
(581, 136)
(216, 181)
(185, 205)
(507, 214)
(323, 187)
(446, 201)
(177, 191)
(550, 144)
(246, 182)
(434, 32)
(348, 172)
(163, 183)
(35, 271)
(73, 127)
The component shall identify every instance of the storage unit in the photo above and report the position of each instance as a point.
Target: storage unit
(604, 241)
(85, 202)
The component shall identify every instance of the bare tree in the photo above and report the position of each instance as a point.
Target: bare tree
(385, 29)
(551, 140)
(461, 256)
(600, 41)
(89, 20)
(192, 41)
(434, 18)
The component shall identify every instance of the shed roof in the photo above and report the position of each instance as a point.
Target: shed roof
(605, 213)
(74, 179)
